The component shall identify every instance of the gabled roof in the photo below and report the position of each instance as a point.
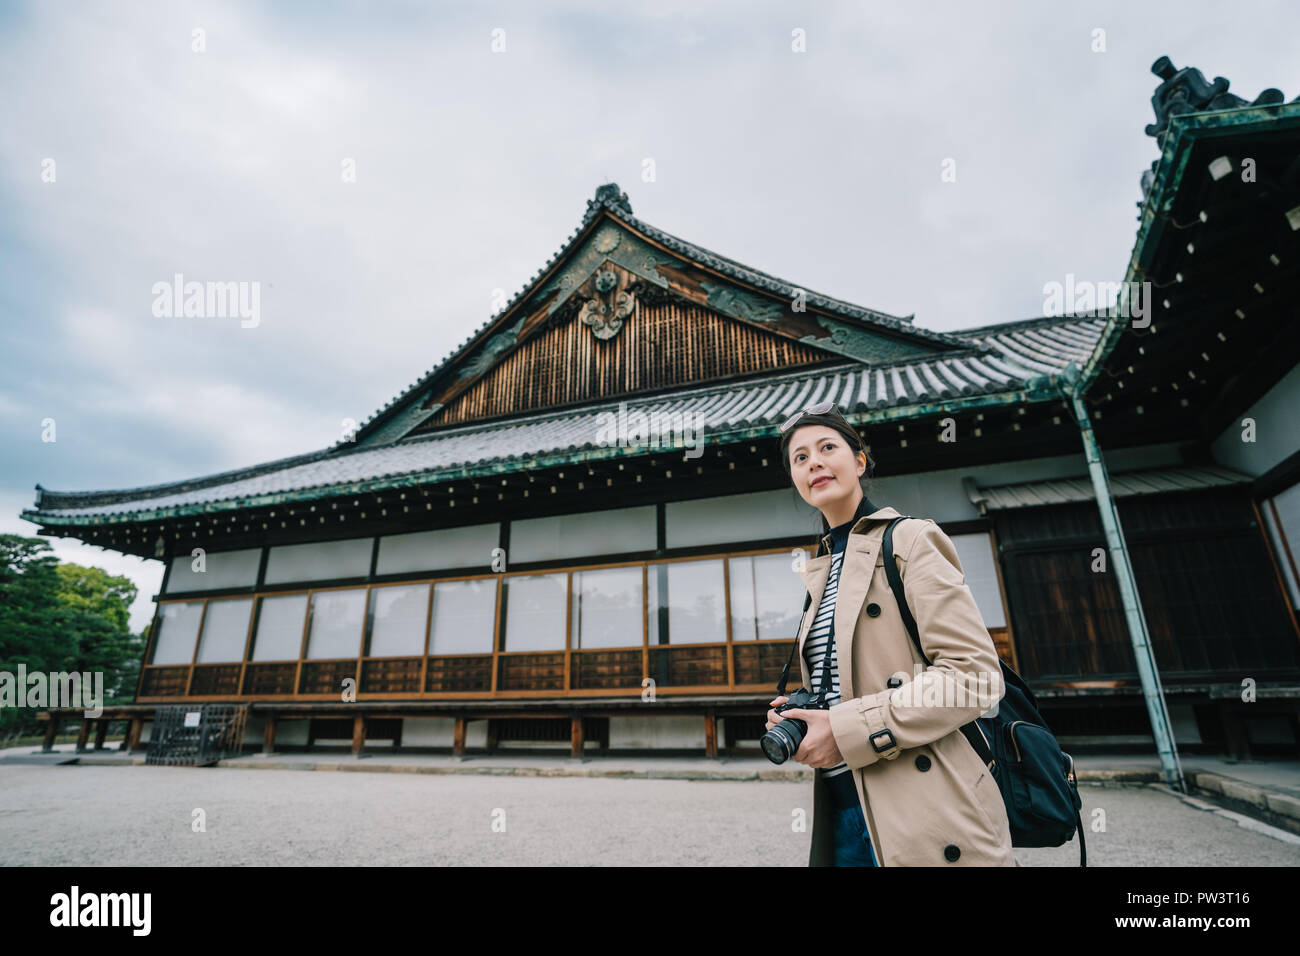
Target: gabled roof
(1188, 111)
(988, 365)
(397, 417)
(993, 367)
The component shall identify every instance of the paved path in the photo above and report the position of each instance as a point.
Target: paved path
(140, 815)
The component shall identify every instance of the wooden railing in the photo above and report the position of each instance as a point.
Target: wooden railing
(742, 667)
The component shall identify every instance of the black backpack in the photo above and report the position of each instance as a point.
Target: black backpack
(1035, 776)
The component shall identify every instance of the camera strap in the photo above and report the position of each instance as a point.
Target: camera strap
(785, 672)
(825, 683)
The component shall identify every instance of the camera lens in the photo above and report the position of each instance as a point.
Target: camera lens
(782, 742)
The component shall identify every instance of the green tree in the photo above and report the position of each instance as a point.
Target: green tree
(100, 611)
(96, 591)
(30, 610)
(63, 617)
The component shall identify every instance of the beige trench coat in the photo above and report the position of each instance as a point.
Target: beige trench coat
(928, 798)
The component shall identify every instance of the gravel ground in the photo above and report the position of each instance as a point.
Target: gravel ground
(141, 815)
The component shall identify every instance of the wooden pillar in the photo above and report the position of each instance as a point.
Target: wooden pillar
(51, 731)
(268, 735)
(604, 736)
(83, 735)
(358, 734)
(575, 736)
(133, 734)
(1234, 732)
(458, 739)
(710, 733)
(493, 730)
(101, 731)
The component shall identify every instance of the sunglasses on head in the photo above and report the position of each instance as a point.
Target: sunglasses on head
(821, 408)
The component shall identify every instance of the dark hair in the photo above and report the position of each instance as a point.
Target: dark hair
(851, 435)
(855, 442)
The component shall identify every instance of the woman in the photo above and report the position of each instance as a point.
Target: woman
(897, 783)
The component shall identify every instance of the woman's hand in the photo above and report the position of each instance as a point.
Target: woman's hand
(819, 748)
(772, 716)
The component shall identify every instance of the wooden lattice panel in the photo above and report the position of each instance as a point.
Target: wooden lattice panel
(164, 681)
(270, 678)
(459, 674)
(213, 679)
(531, 672)
(662, 345)
(606, 669)
(762, 663)
(325, 677)
(391, 676)
(689, 665)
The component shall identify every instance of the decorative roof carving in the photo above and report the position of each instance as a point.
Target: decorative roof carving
(611, 200)
(1186, 91)
(997, 360)
(611, 305)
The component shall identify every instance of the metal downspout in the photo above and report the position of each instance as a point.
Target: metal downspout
(1170, 766)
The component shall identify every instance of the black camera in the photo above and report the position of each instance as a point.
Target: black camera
(782, 741)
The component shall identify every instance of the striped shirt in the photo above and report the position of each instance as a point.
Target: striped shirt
(820, 634)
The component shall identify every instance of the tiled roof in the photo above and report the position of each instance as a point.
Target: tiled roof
(1153, 482)
(998, 362)
(610, 199)
(736, 270)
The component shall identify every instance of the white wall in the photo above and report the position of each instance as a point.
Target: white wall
(975, 552)
(579, 535)
(1287, 505)
(659, 731)
(221, 569)
(319, 560)
(738, 519)
(940, 495)
(464, 547)
(441, 732)
(1277, 430)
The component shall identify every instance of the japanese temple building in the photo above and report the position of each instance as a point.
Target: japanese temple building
(503, 554)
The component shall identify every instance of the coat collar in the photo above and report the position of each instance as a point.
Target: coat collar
(866, 513)
(855, 579)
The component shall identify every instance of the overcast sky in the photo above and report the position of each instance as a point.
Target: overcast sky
(473, 165)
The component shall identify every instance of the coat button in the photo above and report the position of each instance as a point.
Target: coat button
(951, 852)
(873, 609)
(922, 762)
(894, 682)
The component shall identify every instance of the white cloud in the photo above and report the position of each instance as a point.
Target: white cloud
(473, 168)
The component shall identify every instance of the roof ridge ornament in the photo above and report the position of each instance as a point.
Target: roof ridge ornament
(610, 195)
(1186, 91)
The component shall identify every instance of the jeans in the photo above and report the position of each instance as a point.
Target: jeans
(852, 842)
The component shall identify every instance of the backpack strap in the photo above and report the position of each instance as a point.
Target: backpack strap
(896, 585)
(970, 730)
(1073, 780)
